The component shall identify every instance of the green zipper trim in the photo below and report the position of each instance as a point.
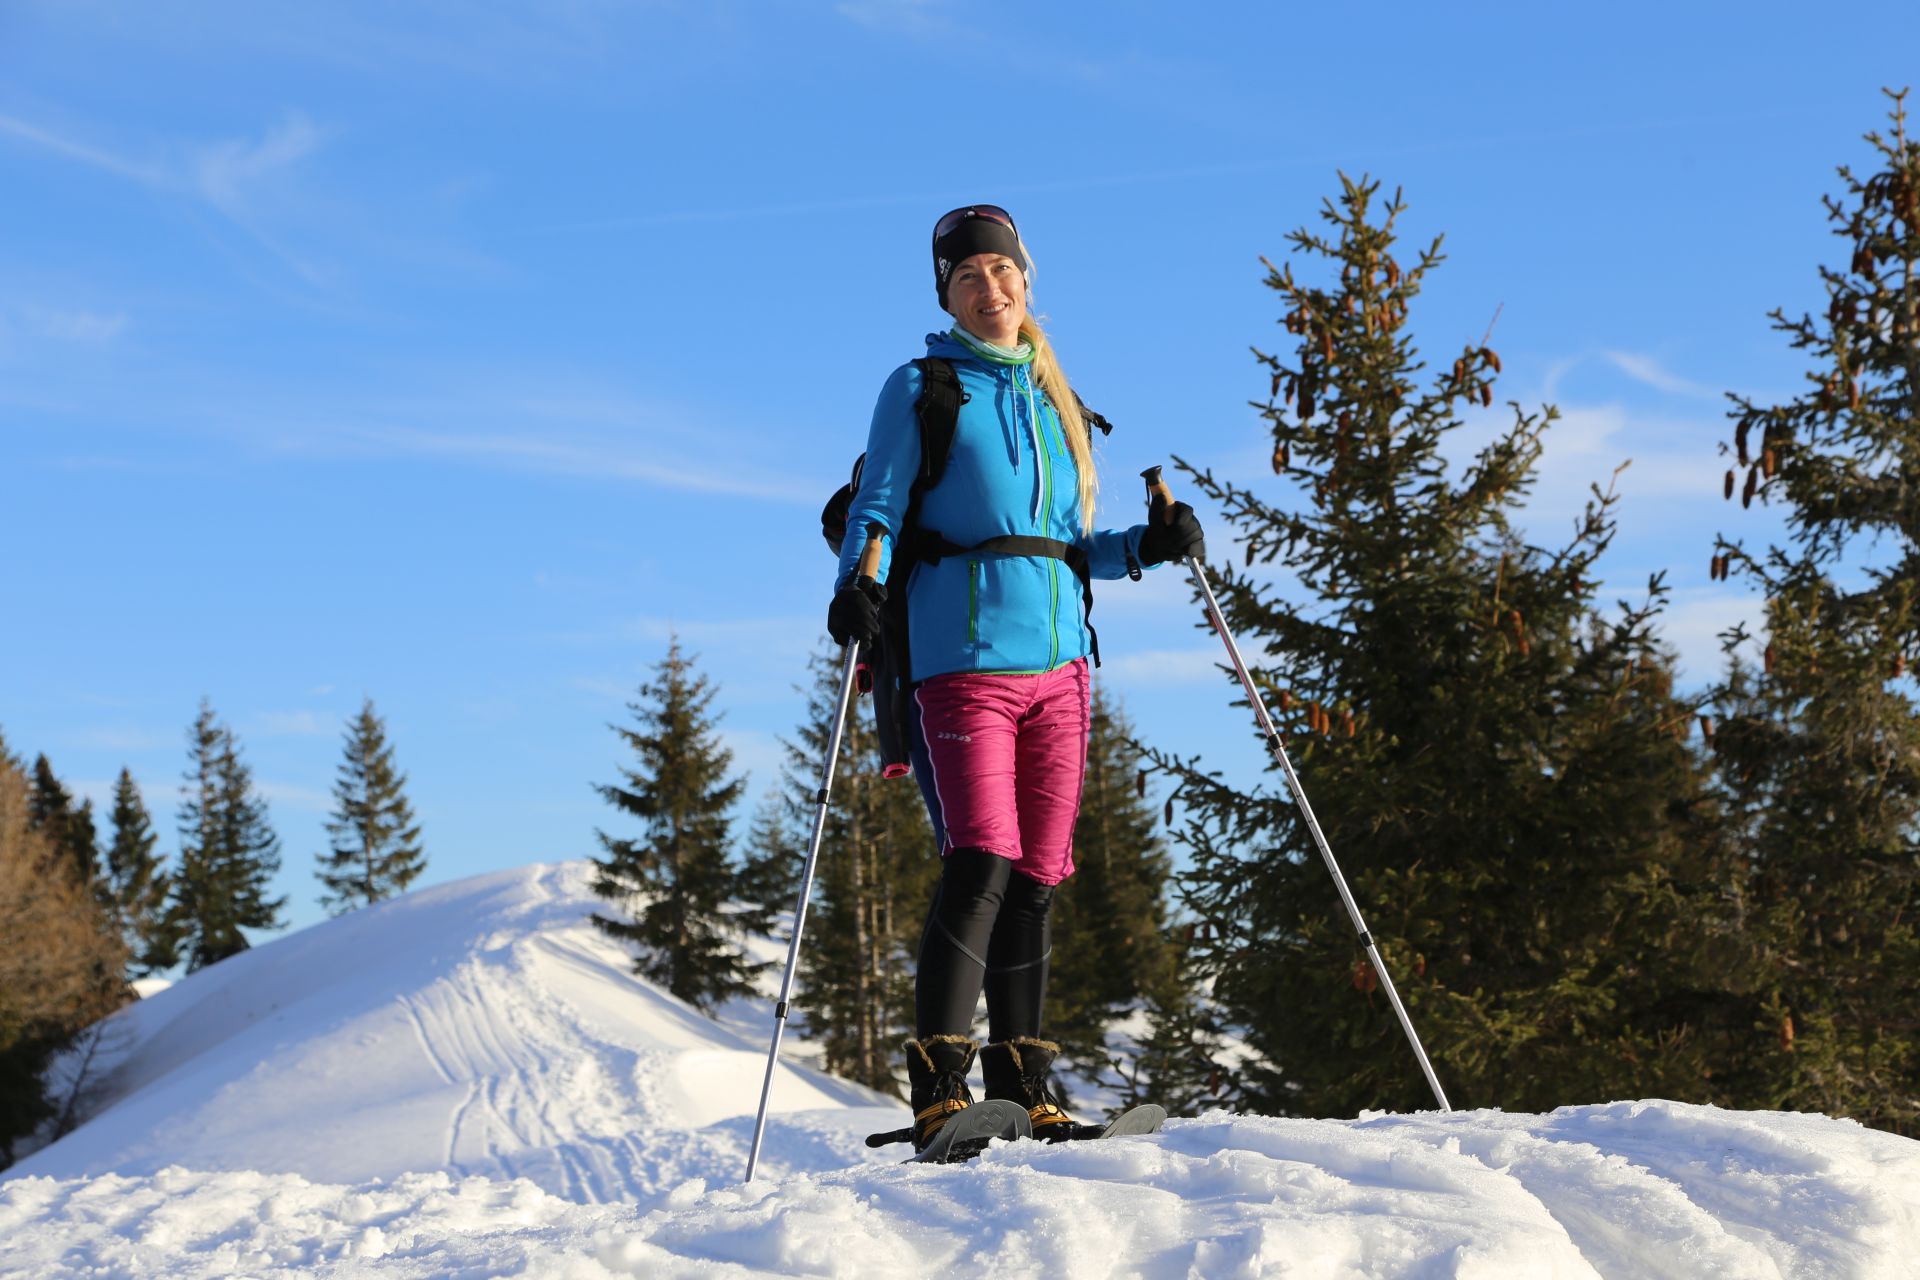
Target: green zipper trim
(1046, 515)
(973, 602)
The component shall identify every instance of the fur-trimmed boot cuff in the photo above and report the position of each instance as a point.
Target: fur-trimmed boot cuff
(937, 1079)
(1020, 1071)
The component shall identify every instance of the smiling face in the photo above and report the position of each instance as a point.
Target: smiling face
(987, 294)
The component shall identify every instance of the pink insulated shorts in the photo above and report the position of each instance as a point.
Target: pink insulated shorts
(1009, 755)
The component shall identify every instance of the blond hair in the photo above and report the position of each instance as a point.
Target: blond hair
(1053, 380)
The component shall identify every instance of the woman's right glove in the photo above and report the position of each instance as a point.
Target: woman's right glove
(854, 615)
(1171, 534)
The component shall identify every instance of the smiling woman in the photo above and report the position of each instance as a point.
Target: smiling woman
(990, 555)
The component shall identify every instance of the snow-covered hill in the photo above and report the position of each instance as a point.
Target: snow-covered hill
(468, 1082)
(481, 1027)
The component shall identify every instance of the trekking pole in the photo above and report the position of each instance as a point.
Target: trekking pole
(869, 569)
(1157, 489)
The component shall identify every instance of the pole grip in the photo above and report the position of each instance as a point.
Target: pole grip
(1157, 492)
(869, 567)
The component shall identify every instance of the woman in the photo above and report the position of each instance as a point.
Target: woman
(999, 644)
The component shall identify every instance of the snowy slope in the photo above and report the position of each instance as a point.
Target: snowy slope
(481, 1027)
(467, 1082)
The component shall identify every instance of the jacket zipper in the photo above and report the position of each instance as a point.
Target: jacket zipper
(1046, 515)
(973, 602)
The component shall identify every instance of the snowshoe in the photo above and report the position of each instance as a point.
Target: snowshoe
(967, 1133)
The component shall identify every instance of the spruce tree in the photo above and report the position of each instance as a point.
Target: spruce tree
(375, 843)
(1111, 951)
(677, 877)
(1183, 1062)
(1503, 773)
(228, 854)
(1818, 746)
(872, 884)
(68, 825)
(136, 883)
(770, 864)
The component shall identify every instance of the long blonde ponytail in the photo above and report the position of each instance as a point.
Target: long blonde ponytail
(1053, 381)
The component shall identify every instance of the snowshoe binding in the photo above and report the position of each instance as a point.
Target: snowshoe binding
(948, 1125)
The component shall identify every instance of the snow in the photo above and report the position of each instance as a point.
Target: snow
(469, 1082)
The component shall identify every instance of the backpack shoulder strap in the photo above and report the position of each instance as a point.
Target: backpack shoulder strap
(938, 410)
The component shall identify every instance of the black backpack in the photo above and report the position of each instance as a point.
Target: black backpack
(885, 673)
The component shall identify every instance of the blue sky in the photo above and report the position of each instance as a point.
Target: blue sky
(455, 354)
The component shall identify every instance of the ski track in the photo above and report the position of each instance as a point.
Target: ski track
(1624, 1219)
(534, 1105)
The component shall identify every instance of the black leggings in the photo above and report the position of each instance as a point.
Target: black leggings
(987, 927)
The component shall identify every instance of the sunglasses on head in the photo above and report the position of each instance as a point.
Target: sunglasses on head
(953, 221)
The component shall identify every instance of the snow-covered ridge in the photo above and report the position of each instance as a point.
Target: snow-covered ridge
(480, 1027)
(468, 1081)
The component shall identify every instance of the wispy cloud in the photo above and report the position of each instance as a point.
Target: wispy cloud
(1667, 457)
(581, 459)
(93, 157)
(757, 753)
(90, 328)
(771, 639)
(129, 740)
(917, 18)
(292, 724)
(287, 795)
(606, 687)
(1694, 621)
(1645, 369)
(1155, 667)
(228, 176)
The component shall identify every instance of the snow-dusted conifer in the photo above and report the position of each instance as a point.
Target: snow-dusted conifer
(375, 847)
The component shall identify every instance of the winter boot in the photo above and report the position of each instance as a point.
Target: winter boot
(937, 1075)
(1018, 1071)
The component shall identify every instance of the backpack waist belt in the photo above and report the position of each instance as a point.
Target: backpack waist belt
(930, 547)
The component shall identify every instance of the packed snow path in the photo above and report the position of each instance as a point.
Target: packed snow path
(1632, 1189)
(467, 1082)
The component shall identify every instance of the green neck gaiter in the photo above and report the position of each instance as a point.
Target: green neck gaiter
(993, 351)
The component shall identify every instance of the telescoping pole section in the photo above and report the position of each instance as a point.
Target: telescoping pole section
(869, 569)
(1157, 489)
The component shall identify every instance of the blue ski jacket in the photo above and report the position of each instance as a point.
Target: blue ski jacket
(1007, 474)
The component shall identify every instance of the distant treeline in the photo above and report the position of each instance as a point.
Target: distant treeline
(84, 917)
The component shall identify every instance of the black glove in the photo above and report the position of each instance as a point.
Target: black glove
(1171, 534)
(854, 614)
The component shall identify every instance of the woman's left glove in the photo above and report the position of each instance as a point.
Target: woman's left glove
(854, 615)
(1172, 533)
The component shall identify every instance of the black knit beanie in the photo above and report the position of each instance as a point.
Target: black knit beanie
(973, 233)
